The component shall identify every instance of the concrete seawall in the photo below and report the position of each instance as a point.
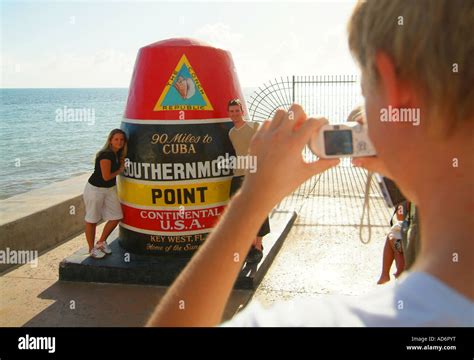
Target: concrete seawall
(43, 218)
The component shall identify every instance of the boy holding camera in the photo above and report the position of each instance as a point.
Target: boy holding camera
(407, 66)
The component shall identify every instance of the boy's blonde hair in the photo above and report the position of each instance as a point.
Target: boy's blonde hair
(427, 40)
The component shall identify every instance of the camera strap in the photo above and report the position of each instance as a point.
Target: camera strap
(366, 205)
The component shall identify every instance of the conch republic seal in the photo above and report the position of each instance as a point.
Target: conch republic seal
(174, 187)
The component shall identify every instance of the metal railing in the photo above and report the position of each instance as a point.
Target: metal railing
(331, 95)
(334, 97)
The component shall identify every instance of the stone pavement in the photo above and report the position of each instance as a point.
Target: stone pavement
(35, 297)
(321, 255)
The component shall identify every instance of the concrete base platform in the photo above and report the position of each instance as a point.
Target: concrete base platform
(32, 296)
(127, 268)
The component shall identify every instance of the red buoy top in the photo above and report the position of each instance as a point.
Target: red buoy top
(182, 79)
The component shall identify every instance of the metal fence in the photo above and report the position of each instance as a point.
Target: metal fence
(333, 96)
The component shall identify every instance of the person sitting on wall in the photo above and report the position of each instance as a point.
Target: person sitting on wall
(393, 248)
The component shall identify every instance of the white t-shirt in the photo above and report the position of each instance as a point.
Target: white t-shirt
(417, 299)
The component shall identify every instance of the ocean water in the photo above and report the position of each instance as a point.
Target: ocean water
(44, 138)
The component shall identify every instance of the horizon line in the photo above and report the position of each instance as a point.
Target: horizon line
(102, 87)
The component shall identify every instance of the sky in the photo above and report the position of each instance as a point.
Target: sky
(66, 44)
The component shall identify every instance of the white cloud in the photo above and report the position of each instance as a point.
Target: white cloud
(71, 69)
(219, 35)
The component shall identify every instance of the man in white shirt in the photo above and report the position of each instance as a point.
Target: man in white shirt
(406, 51)
(240, 136)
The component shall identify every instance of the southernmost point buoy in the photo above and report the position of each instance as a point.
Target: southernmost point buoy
(174, 189)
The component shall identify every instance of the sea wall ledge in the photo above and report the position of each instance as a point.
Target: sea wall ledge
(43, 218)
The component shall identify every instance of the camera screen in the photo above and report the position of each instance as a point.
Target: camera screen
(338, 142)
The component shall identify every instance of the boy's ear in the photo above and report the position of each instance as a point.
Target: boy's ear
(388, 79)
(396, 91)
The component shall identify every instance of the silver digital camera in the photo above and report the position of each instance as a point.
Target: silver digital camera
(350, 139)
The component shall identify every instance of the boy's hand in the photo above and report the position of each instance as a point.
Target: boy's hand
(278, 147)
(373, 164)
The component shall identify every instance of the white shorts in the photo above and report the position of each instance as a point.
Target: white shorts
(101, 203)
(395, 232)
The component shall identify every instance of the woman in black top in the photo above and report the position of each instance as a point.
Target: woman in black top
(100, 193)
